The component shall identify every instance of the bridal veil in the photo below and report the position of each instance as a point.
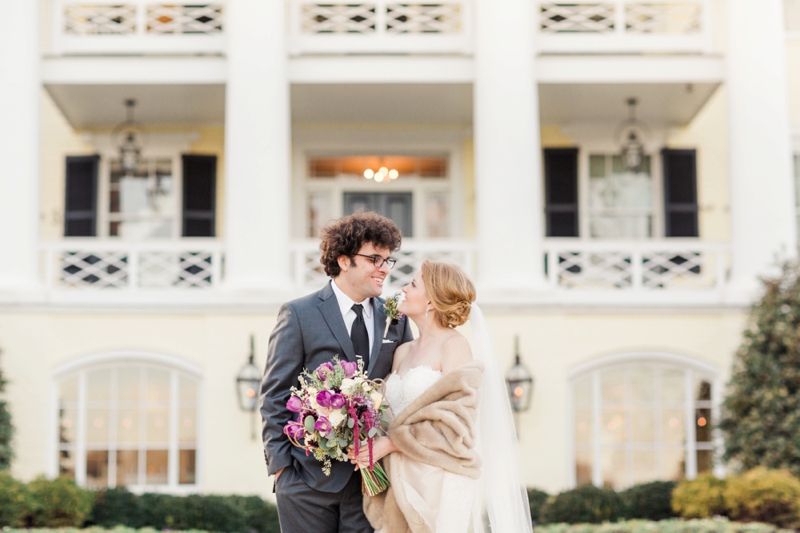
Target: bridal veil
(502, 499)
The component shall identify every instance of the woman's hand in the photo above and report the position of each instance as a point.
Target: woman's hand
(381, 447)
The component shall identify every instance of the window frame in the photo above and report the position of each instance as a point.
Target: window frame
(110, 360)
(691, 367)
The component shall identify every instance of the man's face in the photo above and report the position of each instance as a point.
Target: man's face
(360, 278)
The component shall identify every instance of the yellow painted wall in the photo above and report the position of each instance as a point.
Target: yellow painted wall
(708, 133)
(553, 137)
(469, 188)
(551, 342)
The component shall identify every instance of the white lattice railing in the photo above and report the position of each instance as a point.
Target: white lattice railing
(380, 26)
(308, 271)
(95, 264)
(137, 27)
(674, 264)
(633, 26)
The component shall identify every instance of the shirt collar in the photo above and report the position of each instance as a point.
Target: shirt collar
(346, 303)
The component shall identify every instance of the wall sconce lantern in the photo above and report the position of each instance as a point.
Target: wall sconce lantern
(248, 382)
(519, 382)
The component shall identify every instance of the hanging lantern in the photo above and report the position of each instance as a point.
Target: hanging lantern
(519, 382)
(630, 134)
(248, 381)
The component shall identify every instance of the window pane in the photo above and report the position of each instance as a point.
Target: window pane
(703, 429)
(68, 390)
(187, 467)
(613, 429)
(68, 419)
(674, 464)
(597, 166)
(583, 426)
(614, 469)
(437, 215)
(672, 387)
(143, 205)
(96, 469)
(644, 425)
(157, 425)
(188, 424)
(98, 386)
(583, 467)
(156, 467)
(128, 426)
(702, 390)
(66, 463)
(612, 385)
(157, 386)
(320, 212)
(620, 204)
(127, 468)
(705, 461)
(644, 466)
(673, 427)
(642, 384)
(97, 426)
(129, 388)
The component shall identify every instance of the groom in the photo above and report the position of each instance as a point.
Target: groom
(345, 318)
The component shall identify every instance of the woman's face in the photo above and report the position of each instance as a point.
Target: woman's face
(416, 300)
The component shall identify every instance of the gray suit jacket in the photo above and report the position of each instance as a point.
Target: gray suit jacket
(309, 332)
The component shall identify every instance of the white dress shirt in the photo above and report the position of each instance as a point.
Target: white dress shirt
(349, 316)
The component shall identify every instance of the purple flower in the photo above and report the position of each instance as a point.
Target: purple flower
(323, 425)
(337, 401)
(294, 430)
(323, 369)
(294, 404)
(349, 368)
(324, 398)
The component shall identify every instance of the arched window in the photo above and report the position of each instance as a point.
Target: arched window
(642, 417)
(129, 420)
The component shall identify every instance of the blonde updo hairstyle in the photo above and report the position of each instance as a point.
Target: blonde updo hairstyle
(450, 291)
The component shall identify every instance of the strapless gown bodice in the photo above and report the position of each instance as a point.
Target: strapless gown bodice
(402, 390)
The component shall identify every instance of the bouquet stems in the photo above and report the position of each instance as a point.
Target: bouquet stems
(374, 481)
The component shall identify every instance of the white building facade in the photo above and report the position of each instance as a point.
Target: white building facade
(128, 291)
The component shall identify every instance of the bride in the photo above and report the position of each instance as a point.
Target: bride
(452, 452)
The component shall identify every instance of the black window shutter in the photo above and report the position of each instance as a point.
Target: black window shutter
(199, 195)
(680, 192)
(80, 200)
(561, 191)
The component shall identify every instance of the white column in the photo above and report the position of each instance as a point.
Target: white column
(508, 180)
(762, 192)
(20, 91)
(257, 147)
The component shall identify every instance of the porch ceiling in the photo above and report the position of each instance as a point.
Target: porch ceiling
(382, 103)
(98, 106)
(662, 104)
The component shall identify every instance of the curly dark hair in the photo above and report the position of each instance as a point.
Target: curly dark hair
(346, 235)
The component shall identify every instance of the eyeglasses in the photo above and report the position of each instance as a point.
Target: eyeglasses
(378, 261)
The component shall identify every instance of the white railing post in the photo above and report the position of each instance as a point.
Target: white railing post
(552, 266)
(381, 17)
(619, 17)
(637, 269)
(49, 268)
(721, 268)
(141, 19)
(133, 269)
(216, 268)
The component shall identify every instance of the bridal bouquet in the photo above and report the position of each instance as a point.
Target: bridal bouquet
(338, 408)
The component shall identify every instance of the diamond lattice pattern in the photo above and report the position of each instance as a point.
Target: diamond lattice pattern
(674, 270)
(576, 18)
(184, 19)
(671, 18)
(171, 269)
(423, 18)
(338, 18)
(605, 270)
(99, 19)
(94, 269)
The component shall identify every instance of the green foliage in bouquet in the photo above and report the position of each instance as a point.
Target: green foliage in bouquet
(6, 428)
(585, 504)
(761, 413)
(59, 503)
(650, 501)
(762, 495)
(702, 497)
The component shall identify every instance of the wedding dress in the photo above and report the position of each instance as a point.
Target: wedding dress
(443, 499)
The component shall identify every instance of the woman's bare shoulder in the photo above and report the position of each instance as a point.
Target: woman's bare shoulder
(400, 353)
(455, 352)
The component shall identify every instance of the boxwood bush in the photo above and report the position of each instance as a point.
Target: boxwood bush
(650, 501)
(14, 501)
(58, 503)
(700, 498)
(762, 495)
(537, 498)
(585, 504)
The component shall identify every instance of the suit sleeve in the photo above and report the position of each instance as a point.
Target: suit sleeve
(284, 365)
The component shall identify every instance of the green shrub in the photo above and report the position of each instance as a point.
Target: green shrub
(14, 501)
(699, 498)
(6, 428)
(115, 507)
(260, 516)
(762, 495)
(587, 504)
(664, 526)
(537, 498)
(649, 501)
(208, 513)
(59, 503)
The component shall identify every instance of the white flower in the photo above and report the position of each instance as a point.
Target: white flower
(376, 399)
(366, 386)
(337, 417)
(347, 384)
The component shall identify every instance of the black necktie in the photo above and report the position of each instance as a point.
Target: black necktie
(358, 334)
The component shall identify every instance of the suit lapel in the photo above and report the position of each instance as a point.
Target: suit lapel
(329, 307)
(379, 318)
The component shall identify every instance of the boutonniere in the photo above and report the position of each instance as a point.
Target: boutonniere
(393, 315)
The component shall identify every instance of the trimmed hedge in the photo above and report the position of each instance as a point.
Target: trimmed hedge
(14, 501)
(649, 501)
(585, 504)
(537, 498)
(762, 495)
(664, 526)
(702, 497)
(58, 503)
